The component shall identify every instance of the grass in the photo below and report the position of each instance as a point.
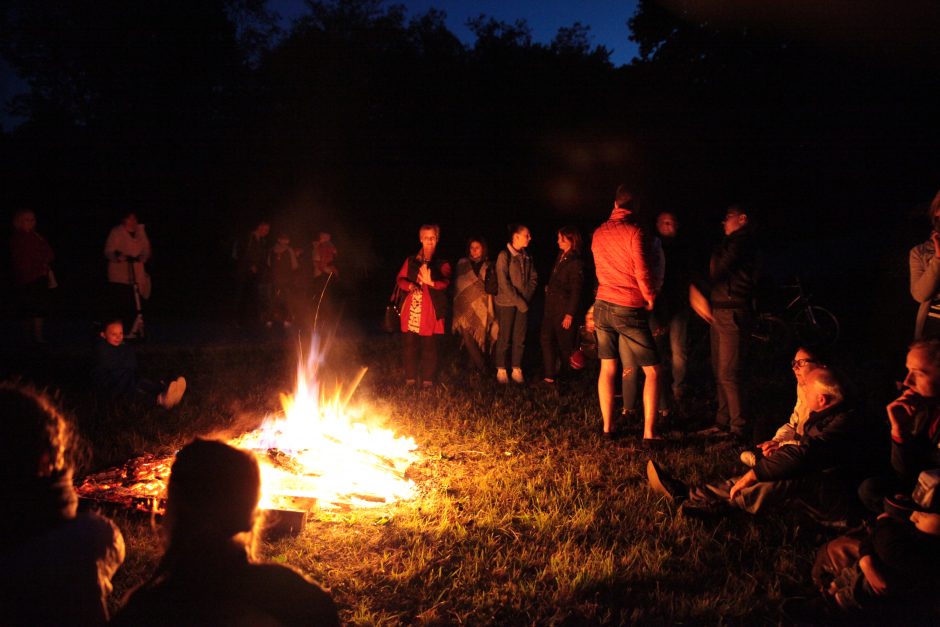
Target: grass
(525, 515)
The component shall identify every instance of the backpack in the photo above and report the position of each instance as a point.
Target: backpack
(490, 281)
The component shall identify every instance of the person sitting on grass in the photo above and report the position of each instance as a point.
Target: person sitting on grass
(890, 565)
(915, 427)
(819, 473)
(115, 371)
(804, 362)
(208, 574)
(56, 564)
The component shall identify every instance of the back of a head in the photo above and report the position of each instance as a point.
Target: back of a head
(35, 464)
(826, 381)
(624, 196)
(213, 491)
(36, 437)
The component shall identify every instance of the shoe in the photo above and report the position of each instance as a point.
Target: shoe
(501, 376)
(749, 458)
(610, 436)
(517, 375)
(714, 431)
(674, 491)
(653, 444)
(174, 393)
(705, 508)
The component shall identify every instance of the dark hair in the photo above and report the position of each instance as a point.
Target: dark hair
(212, 498)
(515, 228)
(624, 197)
(482, 243)
(573, 235)
(934, 205)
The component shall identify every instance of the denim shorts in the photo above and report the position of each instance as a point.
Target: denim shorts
(624, 332)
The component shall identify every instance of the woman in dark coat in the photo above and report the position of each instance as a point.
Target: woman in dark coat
(561, 304)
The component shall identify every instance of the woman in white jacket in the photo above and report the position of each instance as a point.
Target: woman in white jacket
(127, 249)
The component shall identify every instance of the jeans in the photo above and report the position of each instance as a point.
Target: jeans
(672, 339)
(729, 335)
(512, 328)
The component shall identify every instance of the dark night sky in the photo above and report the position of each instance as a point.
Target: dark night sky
(606, 18)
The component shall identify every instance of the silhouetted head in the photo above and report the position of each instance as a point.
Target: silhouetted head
(569, 238)
(519, 236)
(36, 463)
(624, 197)
(213, 492)
(735, 219)
(24, 220)
(476, 248)
(667, 225)
(129, 221)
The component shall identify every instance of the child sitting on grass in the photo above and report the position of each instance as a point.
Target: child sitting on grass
(115, 371)
(894, 563)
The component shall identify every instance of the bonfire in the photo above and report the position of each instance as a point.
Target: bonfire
(319, 451)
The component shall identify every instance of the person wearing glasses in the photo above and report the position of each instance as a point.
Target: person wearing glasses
(804, 362)
(818, 474)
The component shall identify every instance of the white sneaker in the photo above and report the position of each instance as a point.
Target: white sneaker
(501, 376)
(174, 393)
(517, 375)
(749, 458)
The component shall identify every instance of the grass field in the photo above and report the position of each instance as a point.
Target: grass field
(524, 514)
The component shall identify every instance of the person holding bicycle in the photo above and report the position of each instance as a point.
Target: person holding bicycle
(127, 249)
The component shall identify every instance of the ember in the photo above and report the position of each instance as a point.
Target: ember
(318, 453)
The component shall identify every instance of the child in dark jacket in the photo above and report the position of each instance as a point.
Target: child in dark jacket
(115, 371)
(895, 560)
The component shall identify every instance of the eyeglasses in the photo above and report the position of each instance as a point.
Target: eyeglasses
(799, 363)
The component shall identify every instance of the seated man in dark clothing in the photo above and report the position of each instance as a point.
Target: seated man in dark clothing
(915, 427)
(819, 472)
(894, 563)
(115, 371)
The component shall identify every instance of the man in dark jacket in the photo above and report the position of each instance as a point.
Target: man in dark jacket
(732, 272)
(819, 472)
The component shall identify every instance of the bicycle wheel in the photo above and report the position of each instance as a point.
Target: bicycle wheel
(771, 343)
(816, 326)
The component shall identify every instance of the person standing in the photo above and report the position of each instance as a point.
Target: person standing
(127, 249)
(561, 304)
(670, 319)
(629, 264)
(733, 272)
(925, 278)
(31, 256)
(251, 273)
(424, 278)
(517, 280)
(473, 307)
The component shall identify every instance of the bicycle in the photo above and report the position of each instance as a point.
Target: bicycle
(800, 320)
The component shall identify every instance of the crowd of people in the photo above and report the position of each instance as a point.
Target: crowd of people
(831, 459)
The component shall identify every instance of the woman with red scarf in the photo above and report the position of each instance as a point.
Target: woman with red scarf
(424, 278)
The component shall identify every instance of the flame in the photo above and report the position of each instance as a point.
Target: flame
(319, 451)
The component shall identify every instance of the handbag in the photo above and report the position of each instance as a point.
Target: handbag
(391, 321)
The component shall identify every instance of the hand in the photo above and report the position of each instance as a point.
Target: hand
(901, 413)
(935, 239)
(589, 320)
(768, 447)
(649, 305)
(749, 479)
(424, 275)
(877, 583)
(566, 321)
